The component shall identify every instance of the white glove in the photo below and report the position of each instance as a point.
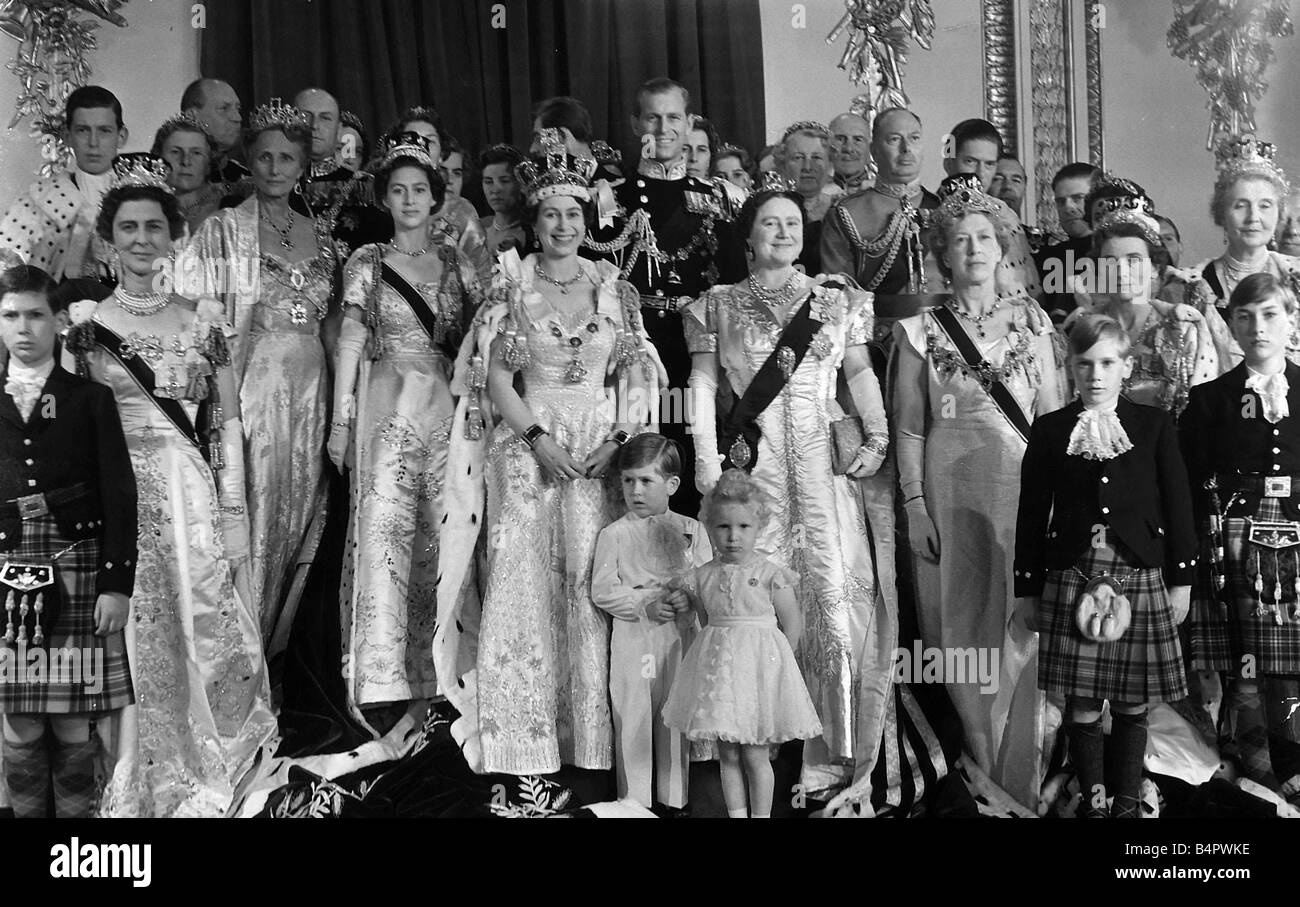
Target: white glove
(347, 359)
(702, 393)
(232, 493)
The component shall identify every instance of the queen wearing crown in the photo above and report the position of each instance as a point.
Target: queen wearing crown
(202, 699)
(569, 332)
(273, 270)
(1250, 196)
(1173, 348)
(785, 343)
(406, 304)
(972, 373)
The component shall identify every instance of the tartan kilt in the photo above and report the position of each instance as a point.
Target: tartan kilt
(1275, 649)
(109, 687)
(1143, 665)
(1207, 629)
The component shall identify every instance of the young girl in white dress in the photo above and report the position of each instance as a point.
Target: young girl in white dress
(738, 683)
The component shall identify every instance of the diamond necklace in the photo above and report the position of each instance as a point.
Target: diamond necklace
(141, 304)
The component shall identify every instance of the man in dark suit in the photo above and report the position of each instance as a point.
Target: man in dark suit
(67, 538)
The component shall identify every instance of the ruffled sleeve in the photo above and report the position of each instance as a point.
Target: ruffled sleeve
(700, 322)
(359, 280)
(780, 577)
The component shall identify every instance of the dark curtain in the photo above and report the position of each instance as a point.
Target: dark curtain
(484, 75)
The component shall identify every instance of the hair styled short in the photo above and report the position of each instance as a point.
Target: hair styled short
(1259, 288)
(1157, 252)
(1219, 200)
(28, 279)
(742, 156)
(940, 240)
(299, 134)
(710, 132)
(437, 186)
(1074, 171)
(175, 125)
(652, 449)
(736, 487)
(116, 198)
(973, 131)
(1093, 328)
(749, 210)
(92, 97)
(660, 85)
(565, 113)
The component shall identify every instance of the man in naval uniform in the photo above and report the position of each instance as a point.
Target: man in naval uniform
(674, 243)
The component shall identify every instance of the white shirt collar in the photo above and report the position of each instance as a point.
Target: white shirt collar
(20, 372)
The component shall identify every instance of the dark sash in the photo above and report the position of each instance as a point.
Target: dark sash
(1001, 394)
(738, 440)
(143, 374)
(1212, 278)
(419, 307)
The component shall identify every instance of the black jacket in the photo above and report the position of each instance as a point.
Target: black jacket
(1224, 430)
(74, 436)
(1142, 496)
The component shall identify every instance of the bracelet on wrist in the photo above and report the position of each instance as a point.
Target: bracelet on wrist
(618, 437)
(877, 443)
(915, 497)
(532, 434)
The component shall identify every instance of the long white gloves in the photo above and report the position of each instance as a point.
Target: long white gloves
(702, 392)
(351, 344)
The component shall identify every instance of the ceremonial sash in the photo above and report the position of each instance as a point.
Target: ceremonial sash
(1001, 394)
(144, 376)
(738, 440)
(419, 307)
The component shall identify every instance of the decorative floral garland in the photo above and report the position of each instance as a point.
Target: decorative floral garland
(1227, 43)
(54, 46)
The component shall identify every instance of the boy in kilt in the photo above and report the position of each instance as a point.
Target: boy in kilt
(1105, 555)
(1241, 441)
(68, 517)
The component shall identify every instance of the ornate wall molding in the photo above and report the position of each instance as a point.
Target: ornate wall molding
(1094, 13)
(1051, 129)
(1000, 70)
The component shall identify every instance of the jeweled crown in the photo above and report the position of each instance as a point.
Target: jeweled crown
(1115, 200)
(410, 145)
(806, 126)
(554, 171)
(1246, 155)
(772, 181)
(278, 114)
(140, 168)
(960, 195)
(187, 121)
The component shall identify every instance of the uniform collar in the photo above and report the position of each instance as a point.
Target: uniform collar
(654, 170)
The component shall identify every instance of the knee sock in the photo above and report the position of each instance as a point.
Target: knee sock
(73, 767)
(1249, 731)
(1128, 743)
(27, 774)
(1282, 706)
(1086, 748)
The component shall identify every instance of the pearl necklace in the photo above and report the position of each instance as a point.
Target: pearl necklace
(141, 304)
(977, 320)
